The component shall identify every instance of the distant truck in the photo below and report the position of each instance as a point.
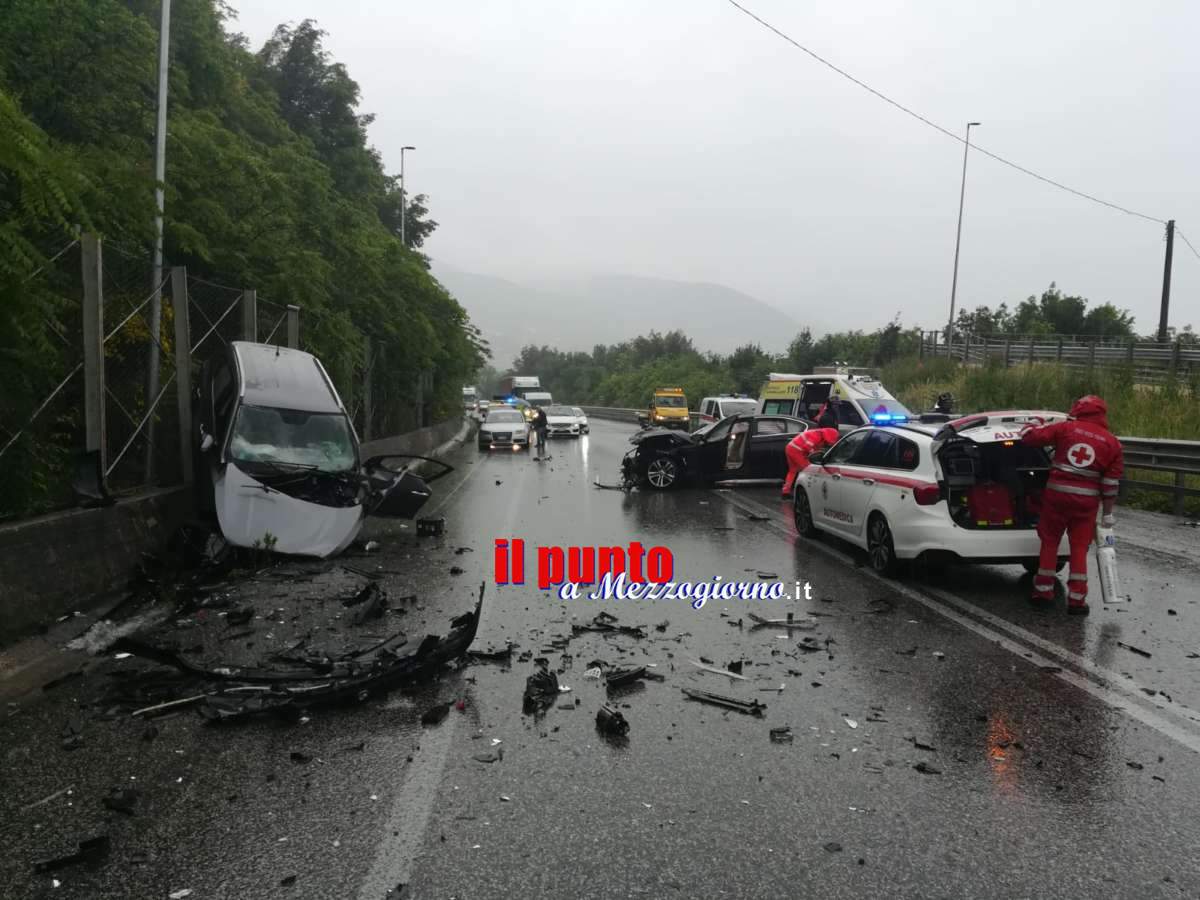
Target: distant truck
(518, 385)
(470, 397)
(668, 409)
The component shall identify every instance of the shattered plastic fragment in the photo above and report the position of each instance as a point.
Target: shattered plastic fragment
(592, 673)
(610, 721)
(851, 723)
(926, 769)
(782, 735)
(751, 707)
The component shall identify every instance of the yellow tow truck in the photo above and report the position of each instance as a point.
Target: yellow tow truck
(668, 409)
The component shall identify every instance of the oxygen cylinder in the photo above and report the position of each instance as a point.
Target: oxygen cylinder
(1106, 565)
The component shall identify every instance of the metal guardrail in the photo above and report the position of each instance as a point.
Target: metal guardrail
(1180, 458)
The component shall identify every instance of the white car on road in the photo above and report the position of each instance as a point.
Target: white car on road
(504, 428)
(961, 490)
(562, 421)
(582, 417)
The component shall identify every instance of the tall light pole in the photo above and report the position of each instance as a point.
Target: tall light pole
(962, 195)
(403, 204)
(160, 176)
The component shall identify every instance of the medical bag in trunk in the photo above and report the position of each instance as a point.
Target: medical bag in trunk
(990, 505)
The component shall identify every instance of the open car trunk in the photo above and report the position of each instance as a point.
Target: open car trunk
(989, 478)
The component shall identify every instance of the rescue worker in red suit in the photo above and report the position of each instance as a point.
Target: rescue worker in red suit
(808, 442)
(1084, 476)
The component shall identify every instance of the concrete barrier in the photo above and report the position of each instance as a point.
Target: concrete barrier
(53, 564)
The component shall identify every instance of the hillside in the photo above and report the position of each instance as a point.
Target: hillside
(580, 313)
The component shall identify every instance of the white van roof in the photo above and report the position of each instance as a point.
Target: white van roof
(282, 378)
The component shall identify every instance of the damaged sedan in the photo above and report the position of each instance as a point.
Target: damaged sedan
(736, 448)
(279, 465)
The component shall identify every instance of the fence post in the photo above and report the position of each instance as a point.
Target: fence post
(1092, 355)
(1179, 495)
(93, 348)
(1175, 358)
(250, 316)
(921, 347)
(1060, 348)
(368, 377)
(183, 368)
(1130, 352)
(293, 327)
(1031, 351)
(1007, 353)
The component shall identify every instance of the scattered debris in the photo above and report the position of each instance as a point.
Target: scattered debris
(790, 622)
(490, 756)
(494, 654)
(1132, 649)
(180, 894)
(459, 551)
(767, 575)
(715, 671)
(922, 746)
(750, 707)
(593, 673)
(90, 850)
(625, 675)
(541, 690)
(299, 757)
(833, 847)
(287, 880)
(938, 654)
(431, 527)
(610, 721)
(926, 769)
(236, 617)
(457, 570)
(850, 722)
(782, 735)
(1135, 765)
(606, 622)
(35, 804)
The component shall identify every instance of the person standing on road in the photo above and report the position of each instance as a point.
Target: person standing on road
(801, 447)
(540, 425)
(1085, 475)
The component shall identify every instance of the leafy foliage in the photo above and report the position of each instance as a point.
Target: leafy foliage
(1051, 313)
(271, 183)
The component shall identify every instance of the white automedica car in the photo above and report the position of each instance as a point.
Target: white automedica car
(961, 490)
(561, 421)
(504, 427)
(582, 417)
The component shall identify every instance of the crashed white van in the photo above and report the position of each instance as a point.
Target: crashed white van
(279, 460)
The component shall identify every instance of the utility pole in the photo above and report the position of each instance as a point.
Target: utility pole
(156, 277)
(962, 195)
(403, 203)
(1166, 293)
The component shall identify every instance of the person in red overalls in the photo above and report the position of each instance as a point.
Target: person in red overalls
(798, 451)
(1086, 472)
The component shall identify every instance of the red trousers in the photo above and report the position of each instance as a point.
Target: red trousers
(797, 460)
(1077, 517)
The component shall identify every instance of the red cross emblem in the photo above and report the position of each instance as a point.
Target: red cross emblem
(1081, 455)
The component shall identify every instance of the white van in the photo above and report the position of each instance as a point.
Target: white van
(865, 400)
(539, 398)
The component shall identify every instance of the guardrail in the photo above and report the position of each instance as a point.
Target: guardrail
(1180, 458)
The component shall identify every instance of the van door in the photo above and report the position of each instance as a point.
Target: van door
(813, 395)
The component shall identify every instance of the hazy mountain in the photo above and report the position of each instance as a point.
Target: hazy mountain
(576, 314)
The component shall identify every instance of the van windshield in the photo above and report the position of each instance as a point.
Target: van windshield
(322, 441)
(671, 401)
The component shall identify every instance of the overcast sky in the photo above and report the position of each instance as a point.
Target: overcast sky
(679, 139)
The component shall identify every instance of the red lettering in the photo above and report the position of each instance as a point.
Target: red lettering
(581, 565)
(660, 565)
(500, 561)
(550, 566)
(611, 559)
(518, 561)
(635, 562)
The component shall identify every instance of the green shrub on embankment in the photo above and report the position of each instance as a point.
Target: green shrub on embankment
(1170, 410)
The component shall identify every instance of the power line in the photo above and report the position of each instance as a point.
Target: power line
(937, 127)
(1189, 243)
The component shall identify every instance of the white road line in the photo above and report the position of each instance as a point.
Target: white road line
(407, 820)
(1103, 683)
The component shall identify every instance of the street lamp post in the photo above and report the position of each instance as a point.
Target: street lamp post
(403, 203)
(962, 194)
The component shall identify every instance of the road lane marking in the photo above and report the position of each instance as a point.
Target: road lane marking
(1105, 685)
(404, 830)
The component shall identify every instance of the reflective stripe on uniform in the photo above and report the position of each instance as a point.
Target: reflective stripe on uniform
(1076, 595)
(1083, 473)
(1074, 577)
(1073, 489)
(1048, 573)
(1111, 492)
(1110, 480)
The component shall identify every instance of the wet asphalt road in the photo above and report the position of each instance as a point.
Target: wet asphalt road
(1056, 762)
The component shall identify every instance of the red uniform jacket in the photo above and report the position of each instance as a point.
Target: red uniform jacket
(1088, 461)
(808, 442)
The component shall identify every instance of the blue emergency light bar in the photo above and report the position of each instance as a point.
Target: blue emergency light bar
(888, 419)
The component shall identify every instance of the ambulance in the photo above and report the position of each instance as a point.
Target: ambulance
(865, 400)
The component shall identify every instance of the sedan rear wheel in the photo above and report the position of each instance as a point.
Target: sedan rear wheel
(662, 472)
(880, 547)
(802, 514)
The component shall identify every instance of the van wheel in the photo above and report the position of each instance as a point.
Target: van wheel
(881, 550)
(662, 472)
(802, 514)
